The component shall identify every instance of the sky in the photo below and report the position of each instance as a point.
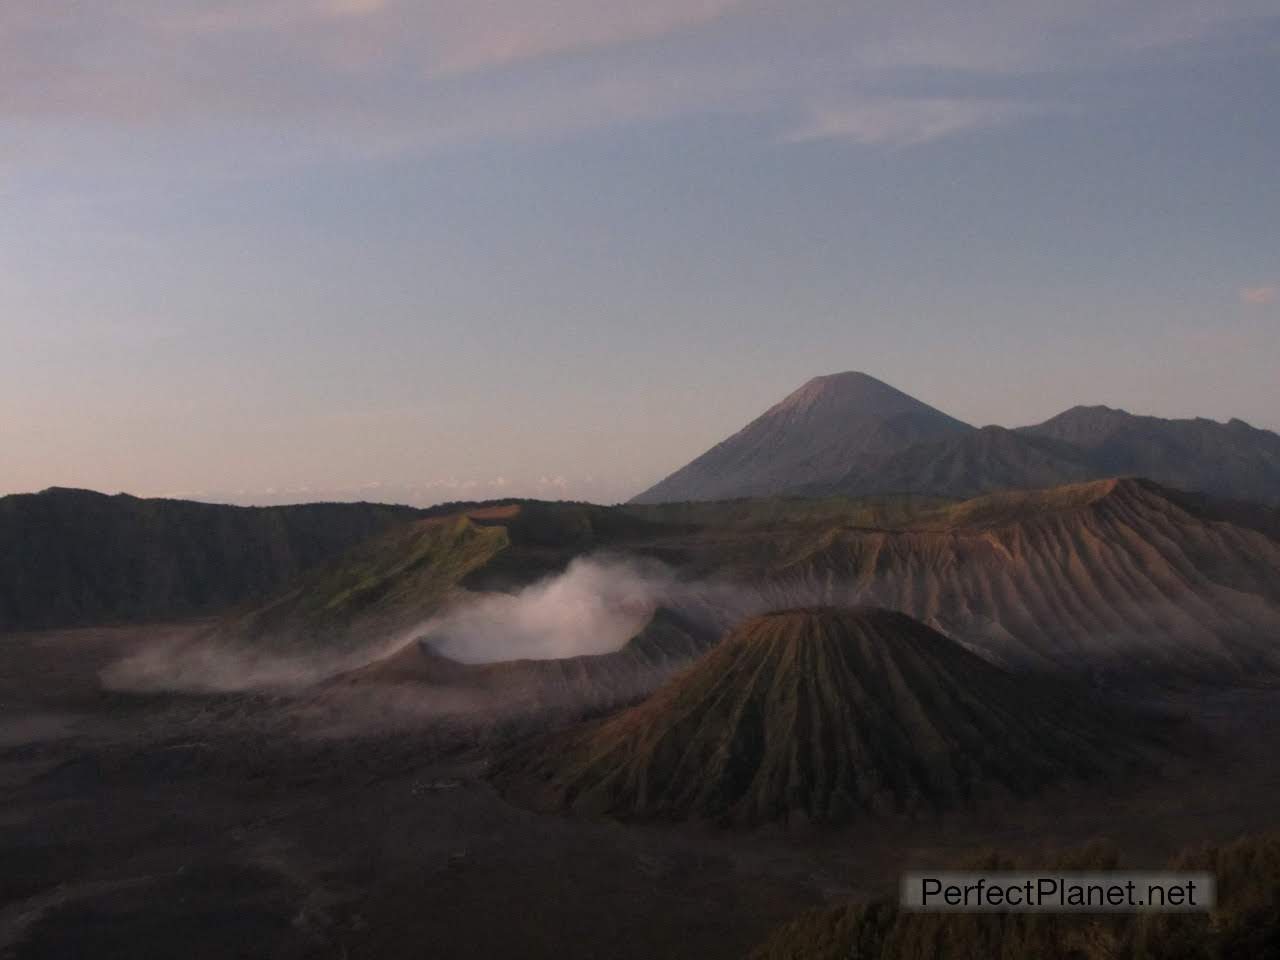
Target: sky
(263, 251)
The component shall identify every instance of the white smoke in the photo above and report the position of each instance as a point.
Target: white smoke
(594, 606)
(200, 665)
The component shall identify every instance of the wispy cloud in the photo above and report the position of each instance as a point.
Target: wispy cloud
(445, 36)
(1260, 296)
(900, 121)
(483, 36)
(322, 75)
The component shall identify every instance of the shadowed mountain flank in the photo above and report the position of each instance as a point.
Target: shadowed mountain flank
(72, 557)
(825, 715)
(967, 465)
(1244, 924)
(1229, 459)
(815, 436)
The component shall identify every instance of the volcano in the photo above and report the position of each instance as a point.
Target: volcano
(813, 437)
(823, 715)
(849, 434)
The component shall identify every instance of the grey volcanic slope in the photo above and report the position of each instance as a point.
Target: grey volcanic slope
(72, 557)
(967, 465)
(825, 714)
(1114, 576)
(1229, 459)
(816, 435)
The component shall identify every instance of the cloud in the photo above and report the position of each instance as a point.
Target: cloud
(1260, 296)
(302, 78)
(897, 121)
(482, 36)
(447, 36)
(153, 58)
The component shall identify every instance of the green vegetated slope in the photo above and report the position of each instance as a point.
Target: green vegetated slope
(70, 557)
(402, 578)
(1244, 926)
(386, 584)
(827, 715)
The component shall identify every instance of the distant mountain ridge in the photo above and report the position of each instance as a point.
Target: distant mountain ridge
(853, 435)
(70, 557)
(1230, 459)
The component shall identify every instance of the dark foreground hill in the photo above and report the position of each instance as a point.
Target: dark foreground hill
(852, 435)
(823, 715)
(77, 557)
(1245, 924)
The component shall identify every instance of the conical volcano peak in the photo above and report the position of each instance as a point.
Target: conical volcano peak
(814, 435)
(822, 616)
(821, 714)
(832, 626)
(849, 394)
(852, 386)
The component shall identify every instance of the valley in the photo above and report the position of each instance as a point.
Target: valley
(240, 824)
